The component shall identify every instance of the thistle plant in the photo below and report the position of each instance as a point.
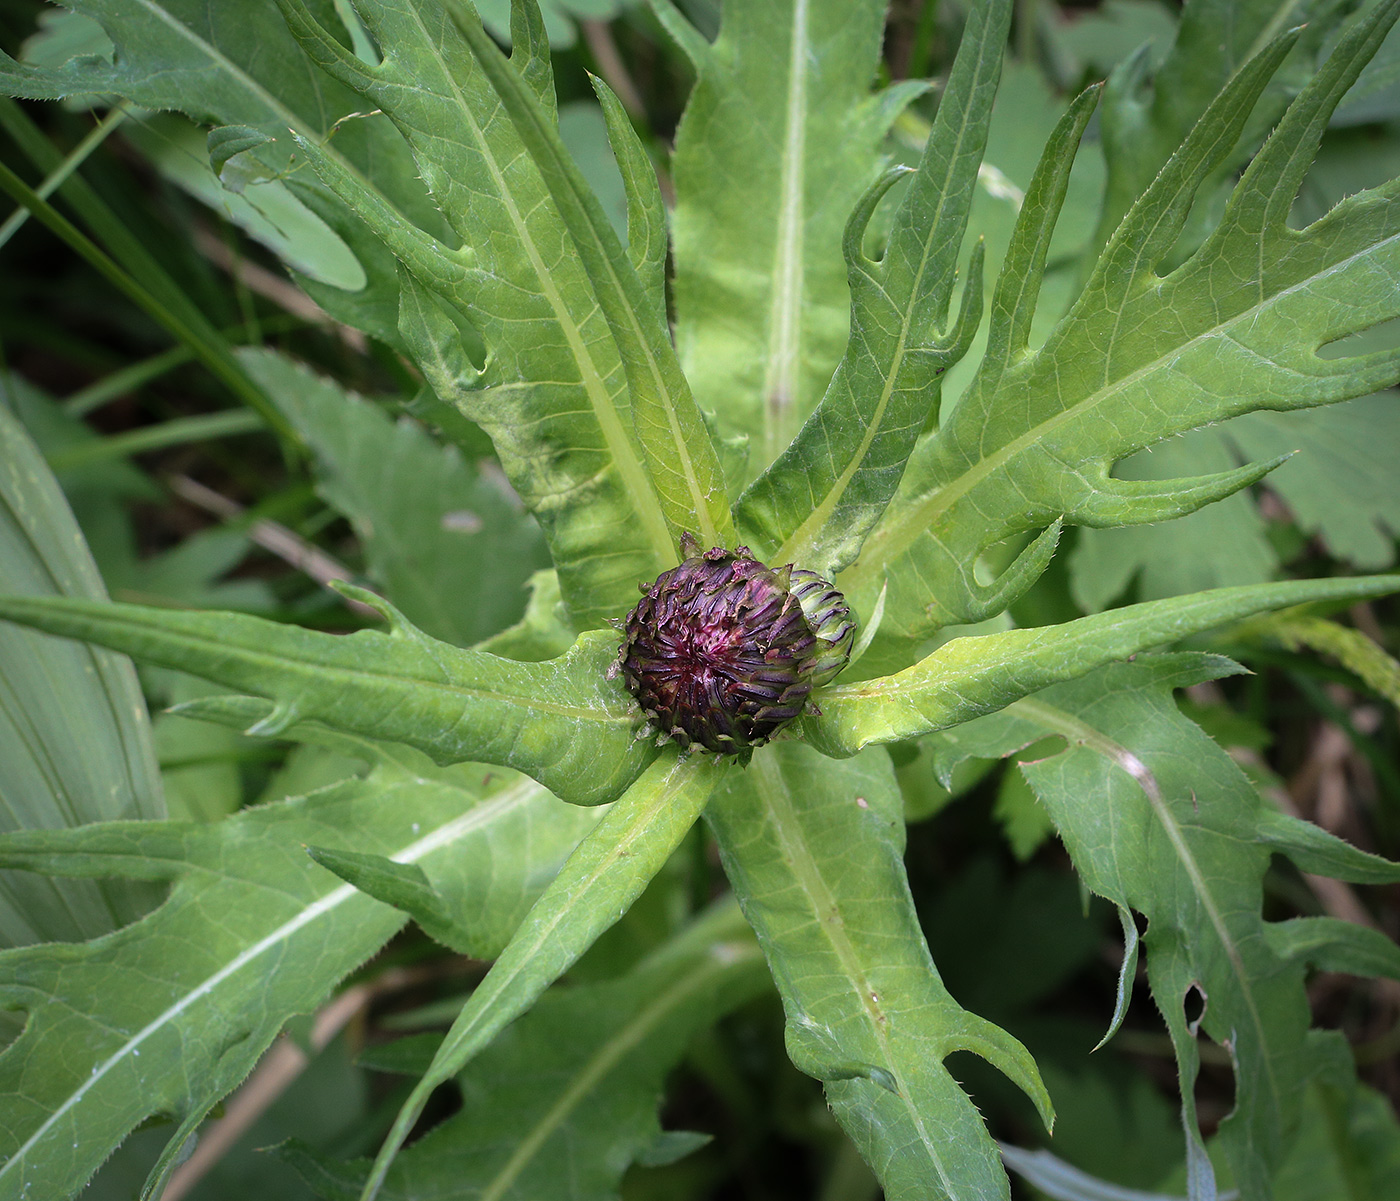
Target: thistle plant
(789, 473)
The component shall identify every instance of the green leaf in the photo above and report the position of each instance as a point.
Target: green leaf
(1348, 1140)
(647, 238)
(1356, 652)
(226, 141)
(817, 502)
(1103, 38)
(681, 458)
(254, 198)
(1223, 545)
(552, 393)
(594, 888)
(562, 722)
(1339, 485)
(1143, 123)
(565, 1099)
(74, 738)
(1158, 818)
(814, 852)
(1142, 356)
(402, 885)
(169, 1014)
(970, 676)
(772, 153)
(450, 546)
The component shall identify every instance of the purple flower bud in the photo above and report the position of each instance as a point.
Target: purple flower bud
(723, 652)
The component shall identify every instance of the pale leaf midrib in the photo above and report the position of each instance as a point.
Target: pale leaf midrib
(782, 376)
(913, 520)
(636, 478)
(772, 788)
(444, 835)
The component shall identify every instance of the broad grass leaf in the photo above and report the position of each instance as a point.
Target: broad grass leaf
(772, 153)
(561, 721)
(565, 1099)
(450, 546)
(167, 1015)
(75, 741)
(1142, 356)
(1159, 819)
(814, 852)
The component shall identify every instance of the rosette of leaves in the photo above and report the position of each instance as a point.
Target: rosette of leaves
(857, 470)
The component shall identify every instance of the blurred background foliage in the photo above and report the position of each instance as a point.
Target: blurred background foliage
(187, 496)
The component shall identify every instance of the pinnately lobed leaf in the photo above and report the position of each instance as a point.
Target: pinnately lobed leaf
(817, 502)
(553, 393)
(1141, 356)
(814, 851)
(1160, 820)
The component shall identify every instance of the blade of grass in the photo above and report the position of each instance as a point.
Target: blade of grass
(156, 437)
(213, 354)
(75, 159)
(126, 253)
(142, 372)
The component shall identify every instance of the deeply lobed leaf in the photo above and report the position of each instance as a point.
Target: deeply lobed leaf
(553, 391)
(1159, 819)
(1140, 357)
(817, 502)
(814, 852)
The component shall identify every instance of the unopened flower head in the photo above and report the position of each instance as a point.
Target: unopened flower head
(722, 652)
